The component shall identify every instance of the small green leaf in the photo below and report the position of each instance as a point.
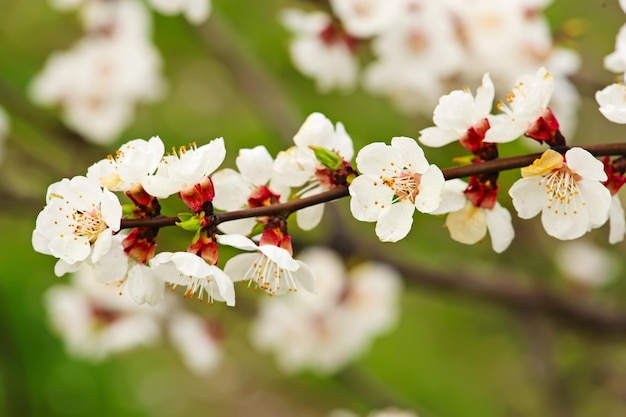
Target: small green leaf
(189, 221)
(329, 159)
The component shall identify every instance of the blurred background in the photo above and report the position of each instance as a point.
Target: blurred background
(476, 333)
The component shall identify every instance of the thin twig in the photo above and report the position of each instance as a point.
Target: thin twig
(495, 165)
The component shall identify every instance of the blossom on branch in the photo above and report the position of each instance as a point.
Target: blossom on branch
(131, 163)
(395, 180)
(187, 172)
(299, 165)
(526, 112)
(468, 221)
(195, 11)
(187, 269)
(271, 268)
(77, 224)
(567, 190)
(461, 116)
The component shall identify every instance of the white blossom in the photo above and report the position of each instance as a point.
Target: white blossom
(195, 11)
(183, 170)
(191, 335)
(78, 222)
(325, 330)
(458, 112)
(469, 224)
(525, 104)
(94, 321)
(131, 163)
(187, 269)
(395, 180)
(271, 268)
(567, 191)
(612, 101)
(319, 53)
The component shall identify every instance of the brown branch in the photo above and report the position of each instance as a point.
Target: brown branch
(289, 207)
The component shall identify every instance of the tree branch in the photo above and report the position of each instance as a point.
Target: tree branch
(289, 207)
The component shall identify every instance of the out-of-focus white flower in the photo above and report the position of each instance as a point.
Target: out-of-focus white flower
(195, 11)
(271, 268)
(78, 222)
(320, 50)
(131, 163)
(395, 180)
(469, 224)
(187, 269)
(365, 18)
(325, 330)
(567, 190)
(194, 338)
(617, 222)
(95, 321)
(414, 56)
(526, 104)
(612, 101)
(298, 165)
(98, 82)
(586, 263)
(461, 116)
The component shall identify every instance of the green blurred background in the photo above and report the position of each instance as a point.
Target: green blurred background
(452, 355)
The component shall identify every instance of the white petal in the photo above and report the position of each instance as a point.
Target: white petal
(484, 98)
(455, 111)
(368, 197)
(430, 189)
(237, 241)
(255, 165)
(452, 197)
(583, 163)
(565, 227)
(215, 152)
(102, 245)
(231, 190)
(411, 153)
(224, 285)
(468, 225)
(395, 221)
(309, 217)
(305, 277)
(111, 210)
(597, 200)
(316, 130)
(70, 248)
(238, 266)
(500, 226)
(505, 129)
(529, 197)
(280, 256)
(436, 137)
(377, 157)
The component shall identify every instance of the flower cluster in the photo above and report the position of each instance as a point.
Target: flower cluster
(325, 331)
(82, 220)
(420, 47)
(572, 191)
(99, 81)
(95, 323)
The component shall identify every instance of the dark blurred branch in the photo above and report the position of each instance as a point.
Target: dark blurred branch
(519, 298)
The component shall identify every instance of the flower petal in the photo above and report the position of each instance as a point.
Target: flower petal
(395, 221)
